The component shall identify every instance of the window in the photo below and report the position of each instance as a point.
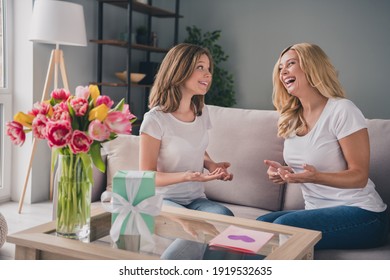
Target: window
(5, 98)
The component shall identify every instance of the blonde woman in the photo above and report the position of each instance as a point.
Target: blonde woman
(174, 134)
(327, 153)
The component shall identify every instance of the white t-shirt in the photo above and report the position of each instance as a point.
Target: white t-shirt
(321, 149)
(183, 146)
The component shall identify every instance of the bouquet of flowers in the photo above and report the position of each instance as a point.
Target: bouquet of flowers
(75, 126)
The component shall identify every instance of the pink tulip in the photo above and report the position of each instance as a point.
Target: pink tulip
(80, 142)
(61, 112)
(82, 92)
(104, 99)
(16, 133)
(127, 112)
(118, 122)
(79, 105)
(40, 108)
(58, 133)
(39, 126)
(60, 94)
(98, 131)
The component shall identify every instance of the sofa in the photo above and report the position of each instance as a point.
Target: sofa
(245, 138)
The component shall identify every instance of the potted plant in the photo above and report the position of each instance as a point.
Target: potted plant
(142, 35)
(221, 92)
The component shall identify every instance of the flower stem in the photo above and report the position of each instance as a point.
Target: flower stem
(74, 194)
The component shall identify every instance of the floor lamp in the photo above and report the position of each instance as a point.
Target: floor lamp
(57, 23)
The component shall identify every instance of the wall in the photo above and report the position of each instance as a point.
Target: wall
(354, 33)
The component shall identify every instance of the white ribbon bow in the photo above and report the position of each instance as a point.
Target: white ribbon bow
(151, 206)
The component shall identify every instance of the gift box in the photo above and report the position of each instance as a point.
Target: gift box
(142, 184)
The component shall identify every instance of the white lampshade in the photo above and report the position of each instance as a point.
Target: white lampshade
(58, 22)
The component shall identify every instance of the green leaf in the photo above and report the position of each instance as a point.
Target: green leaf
(70, 109)
(75, 123)
(112, 136)
(97, 157)
(133, 120)
(54, 156)
(119, 106)
(87, 165)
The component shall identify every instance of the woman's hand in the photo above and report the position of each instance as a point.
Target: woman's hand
(277, 172)
(222, 169)
(202, 177)
(217, 168)
(280, 174)
(308, 175)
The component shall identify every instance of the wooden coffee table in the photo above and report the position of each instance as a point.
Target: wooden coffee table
(172, 224)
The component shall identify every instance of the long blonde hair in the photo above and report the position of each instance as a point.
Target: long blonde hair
(321, 75)
(176, 67)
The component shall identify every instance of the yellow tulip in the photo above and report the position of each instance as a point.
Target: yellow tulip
(24, 119)
(50, 112)
(94, 92)
(100, 112)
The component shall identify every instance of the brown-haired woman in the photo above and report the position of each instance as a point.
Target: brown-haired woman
(174, 132)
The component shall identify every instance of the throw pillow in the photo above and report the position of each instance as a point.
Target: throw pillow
(122, 154)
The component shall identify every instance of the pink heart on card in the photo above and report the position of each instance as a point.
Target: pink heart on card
(244, 238)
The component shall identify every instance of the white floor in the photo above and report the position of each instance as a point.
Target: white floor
(32, 215)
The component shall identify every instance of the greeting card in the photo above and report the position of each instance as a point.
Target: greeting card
(241, 239)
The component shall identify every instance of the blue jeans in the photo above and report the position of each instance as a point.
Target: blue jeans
(342, 227)
(203, 204)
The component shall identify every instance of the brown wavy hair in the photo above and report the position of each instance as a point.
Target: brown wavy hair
(176, 67)
(321, 75)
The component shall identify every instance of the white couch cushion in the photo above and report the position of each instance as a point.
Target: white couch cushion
(379, 132)
(122, 154)
(245, 138)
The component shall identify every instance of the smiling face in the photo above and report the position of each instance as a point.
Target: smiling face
(200, 80)
(291, 74)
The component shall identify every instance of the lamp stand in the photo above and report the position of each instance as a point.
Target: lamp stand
(56, 60)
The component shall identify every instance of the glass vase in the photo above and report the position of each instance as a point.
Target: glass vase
(74, 187)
